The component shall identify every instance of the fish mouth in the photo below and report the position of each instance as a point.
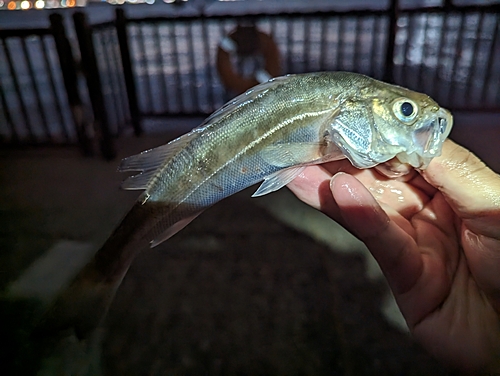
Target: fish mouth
(428, 140)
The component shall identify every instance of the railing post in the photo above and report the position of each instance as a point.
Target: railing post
(121, 31)
(70, 78)
(391, 41)
(91, 71)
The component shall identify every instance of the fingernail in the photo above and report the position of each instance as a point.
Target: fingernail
(334, 177)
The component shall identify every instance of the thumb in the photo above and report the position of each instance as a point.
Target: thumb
(471, 188)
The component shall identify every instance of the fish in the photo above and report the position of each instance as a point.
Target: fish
(269, 134)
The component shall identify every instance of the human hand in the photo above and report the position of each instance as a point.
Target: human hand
(436, 237)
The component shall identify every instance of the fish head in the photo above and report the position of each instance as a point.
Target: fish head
(409, 126)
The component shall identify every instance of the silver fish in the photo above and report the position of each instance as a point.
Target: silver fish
(270, 134)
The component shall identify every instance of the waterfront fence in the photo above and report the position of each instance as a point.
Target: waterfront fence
(135, 69)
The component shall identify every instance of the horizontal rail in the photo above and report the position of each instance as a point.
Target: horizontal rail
(256, 16)
(23, 33)
(490, 8)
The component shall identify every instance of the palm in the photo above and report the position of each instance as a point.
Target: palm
(424, 259)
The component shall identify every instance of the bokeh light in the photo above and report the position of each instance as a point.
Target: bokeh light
(25, 4)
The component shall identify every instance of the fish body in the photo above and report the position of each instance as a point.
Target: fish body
(270, 134)
(276, 129)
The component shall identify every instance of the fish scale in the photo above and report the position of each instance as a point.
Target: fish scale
(216, 158)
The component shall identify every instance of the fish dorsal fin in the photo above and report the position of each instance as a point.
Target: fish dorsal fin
(241, 99)
(149, 161)
(278, 180)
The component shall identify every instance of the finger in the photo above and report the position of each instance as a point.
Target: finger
(483, 257)
(403, 198)
(473, 192)
(312, 187)
(469, 186)
(393, 248)
(308, 185)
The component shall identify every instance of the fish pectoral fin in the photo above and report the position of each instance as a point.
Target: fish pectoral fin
(292, 154)
(172, 230)
(297, 155)
(278, 180)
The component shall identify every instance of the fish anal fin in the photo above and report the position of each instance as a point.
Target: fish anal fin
(278, 180)
(172, 230)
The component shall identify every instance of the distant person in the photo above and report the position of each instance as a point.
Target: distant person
(247, 57)
(436, 236)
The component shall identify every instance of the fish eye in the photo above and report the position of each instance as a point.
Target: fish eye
(405, 110)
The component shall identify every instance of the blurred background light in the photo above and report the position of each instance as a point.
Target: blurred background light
(25, 4)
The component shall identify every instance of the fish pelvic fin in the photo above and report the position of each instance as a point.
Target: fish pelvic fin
(278, 180)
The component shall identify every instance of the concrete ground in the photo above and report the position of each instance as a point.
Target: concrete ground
(253, 286)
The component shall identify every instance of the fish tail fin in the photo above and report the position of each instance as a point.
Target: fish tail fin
(79, 308)
(83, 305)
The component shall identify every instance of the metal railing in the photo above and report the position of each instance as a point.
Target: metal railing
(452, 53)
(94, 85)
(39, 98)
(157, 67)
(173, 60)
